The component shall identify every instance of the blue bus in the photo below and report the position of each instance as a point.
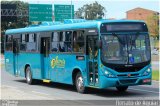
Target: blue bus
(96, 54)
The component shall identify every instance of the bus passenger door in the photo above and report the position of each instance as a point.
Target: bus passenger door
(45, 49)
(15, 55)
(92, 51)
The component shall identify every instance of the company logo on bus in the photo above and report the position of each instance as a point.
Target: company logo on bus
(129, 75)
(58, 63)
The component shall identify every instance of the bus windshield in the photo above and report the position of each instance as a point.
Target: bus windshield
(125, 48)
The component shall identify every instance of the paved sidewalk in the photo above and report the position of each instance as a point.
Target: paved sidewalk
(155, 65)
(2, 61)
(155, 57)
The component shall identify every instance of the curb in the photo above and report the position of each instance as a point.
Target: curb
(156, 81)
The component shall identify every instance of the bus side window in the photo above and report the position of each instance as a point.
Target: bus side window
(67, 42)
(61, 42)
(78, 41)
(31, 43)
(23, 43)
(15, 46)
(55, 42)
(9, 44)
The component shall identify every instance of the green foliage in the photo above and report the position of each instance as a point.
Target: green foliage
(153, 25)
(155, 75)
(91, 11)
(22, 21)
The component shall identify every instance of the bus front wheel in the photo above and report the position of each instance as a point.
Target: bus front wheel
(29, 79)
(80, 83)
(122, 88)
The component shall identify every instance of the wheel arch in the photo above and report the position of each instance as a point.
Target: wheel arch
(74, 73)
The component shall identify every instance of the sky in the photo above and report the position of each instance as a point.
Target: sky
(114, 8)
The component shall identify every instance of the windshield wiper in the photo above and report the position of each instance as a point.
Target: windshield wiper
(120, 40)
(133, 40)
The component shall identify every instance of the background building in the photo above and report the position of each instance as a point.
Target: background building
(149, 16)
(140, 14)
(152, 20)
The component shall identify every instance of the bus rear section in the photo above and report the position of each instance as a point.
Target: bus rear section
(11, 50)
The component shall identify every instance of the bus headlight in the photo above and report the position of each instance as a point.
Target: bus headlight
(147, 72)
(108, 74)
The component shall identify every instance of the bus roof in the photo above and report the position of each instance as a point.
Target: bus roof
(68, 26)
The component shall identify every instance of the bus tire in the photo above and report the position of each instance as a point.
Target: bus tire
(29, 79)
(79, 82)
(122, 88)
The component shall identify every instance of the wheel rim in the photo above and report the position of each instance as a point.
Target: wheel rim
(80, 83)
(28, 76)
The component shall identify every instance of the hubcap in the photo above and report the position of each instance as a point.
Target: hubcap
(28, 76)
(80, 82)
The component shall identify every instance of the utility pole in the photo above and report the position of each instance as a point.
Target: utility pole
(71, 9)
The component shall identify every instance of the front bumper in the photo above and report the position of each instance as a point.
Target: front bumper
(129, 81)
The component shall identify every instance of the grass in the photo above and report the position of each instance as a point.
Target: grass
(157, 44)
(155, 75)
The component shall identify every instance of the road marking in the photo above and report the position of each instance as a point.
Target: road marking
(40, 93)
(144, 90)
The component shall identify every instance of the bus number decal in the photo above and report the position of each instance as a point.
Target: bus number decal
(55, 62)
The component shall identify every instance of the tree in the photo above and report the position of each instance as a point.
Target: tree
(22, 21)
(91, 11)
(153, 25)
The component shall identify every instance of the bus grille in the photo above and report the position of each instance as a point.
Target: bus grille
(128, 81)
(126, 75)
(129, 69)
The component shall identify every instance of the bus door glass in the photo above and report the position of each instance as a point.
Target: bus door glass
(45, 49)
(92, 60)
(16, 42)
